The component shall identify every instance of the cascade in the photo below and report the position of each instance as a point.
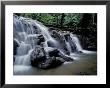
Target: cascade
(25, 33)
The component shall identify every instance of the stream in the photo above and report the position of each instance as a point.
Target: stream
(33, 41)
(84, 64)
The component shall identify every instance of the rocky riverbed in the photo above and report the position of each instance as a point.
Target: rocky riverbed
(39, 50)
(83, 64)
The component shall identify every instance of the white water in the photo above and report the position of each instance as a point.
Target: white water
(27, 38)
(26, 41)
(69, 47)
(46, 34)
(76, 41)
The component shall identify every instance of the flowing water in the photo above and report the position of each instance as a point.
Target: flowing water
(85, 63)
(25, 34)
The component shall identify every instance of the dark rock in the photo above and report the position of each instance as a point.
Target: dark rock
(47, 63)
(60, 59)
(35, 27)
(51, 62)
(54, 33)
(53, 52)
(37, 56)
(66, 35)
(65, 57)
(57, 61)
(40, 59)
(56, 53)
(16, 45)
(40, 39)
(80, 51)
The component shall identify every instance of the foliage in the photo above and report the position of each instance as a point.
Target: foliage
(54, 19)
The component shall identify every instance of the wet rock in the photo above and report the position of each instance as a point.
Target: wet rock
(56, 53)
(61, 39)
(53, 52)
(65, 57)
(66, 35)
(51, 62)
(35, 27)
(37, 56)
(54, 33)
(47, 63)
(40, 39)
(50, 43)
(80, 52)
(16, 45)
(40, 59)
(60, 59)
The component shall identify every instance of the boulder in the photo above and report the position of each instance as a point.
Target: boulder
(47, 63)
(51, 62)
(59, 59)
(37, 56)
(40, 39)
(53, 52)
(41, 59)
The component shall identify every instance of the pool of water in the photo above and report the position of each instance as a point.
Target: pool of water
(83, 64)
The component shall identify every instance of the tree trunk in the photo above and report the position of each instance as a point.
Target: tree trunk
(62, 20)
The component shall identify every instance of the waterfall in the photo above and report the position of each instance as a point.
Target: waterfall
(69, 47)
(46, 34)
(76, 41)
(26, 32)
